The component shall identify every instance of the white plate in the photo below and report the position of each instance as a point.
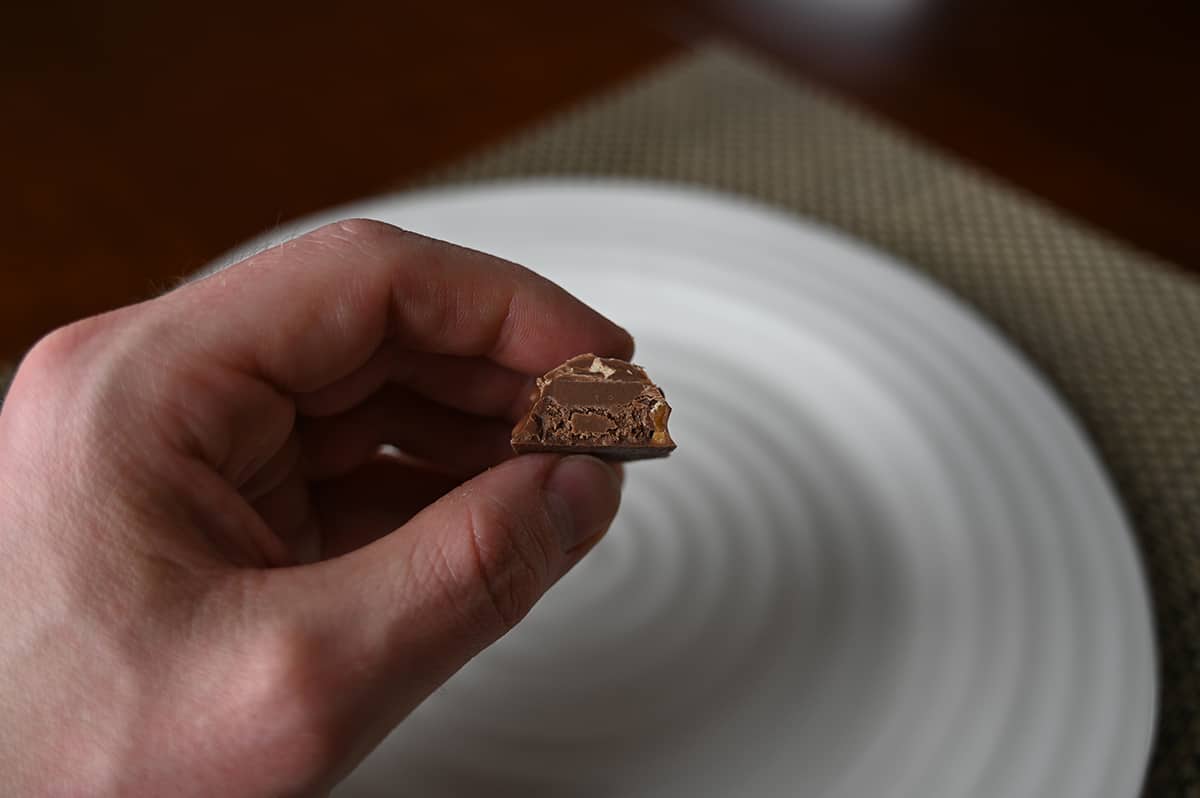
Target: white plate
(883, 562)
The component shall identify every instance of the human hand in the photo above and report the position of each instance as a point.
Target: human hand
(214, 583)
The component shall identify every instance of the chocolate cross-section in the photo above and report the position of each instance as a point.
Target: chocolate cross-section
(596, 405)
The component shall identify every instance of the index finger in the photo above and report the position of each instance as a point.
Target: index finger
(310, 311)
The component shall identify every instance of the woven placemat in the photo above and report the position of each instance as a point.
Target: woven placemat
(1115, 330)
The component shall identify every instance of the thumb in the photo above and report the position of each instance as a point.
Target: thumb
(470, 566)
(398, 617)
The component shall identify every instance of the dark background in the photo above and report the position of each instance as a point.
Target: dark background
(141, 140)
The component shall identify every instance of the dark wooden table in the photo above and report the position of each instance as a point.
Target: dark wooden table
(142, 139)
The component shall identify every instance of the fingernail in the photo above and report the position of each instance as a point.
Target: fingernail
(587, 492)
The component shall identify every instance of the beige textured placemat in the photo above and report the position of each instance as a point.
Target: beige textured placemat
(1115, 330)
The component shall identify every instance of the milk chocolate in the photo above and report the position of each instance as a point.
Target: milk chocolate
(596, 405)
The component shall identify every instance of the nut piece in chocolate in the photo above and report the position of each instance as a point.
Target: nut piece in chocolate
(596, 405)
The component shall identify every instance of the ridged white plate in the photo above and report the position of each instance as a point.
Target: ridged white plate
(883, 562)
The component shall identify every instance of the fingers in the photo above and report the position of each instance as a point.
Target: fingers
(308, 312)
(456, 442)
(407, 610)
(278, 468)
(470, 384)
(287, 509)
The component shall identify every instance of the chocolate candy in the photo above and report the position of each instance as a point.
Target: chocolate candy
(596, 405)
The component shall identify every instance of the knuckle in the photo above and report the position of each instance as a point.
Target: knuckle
(366, 232)
(511, 558)
(46, 375)
(60, 348)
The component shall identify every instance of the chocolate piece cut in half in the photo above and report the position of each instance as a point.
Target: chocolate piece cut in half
(596, 405)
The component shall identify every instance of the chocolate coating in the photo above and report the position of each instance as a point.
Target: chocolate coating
(596, 405)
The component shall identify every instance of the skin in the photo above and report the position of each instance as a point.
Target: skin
(215, 583)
